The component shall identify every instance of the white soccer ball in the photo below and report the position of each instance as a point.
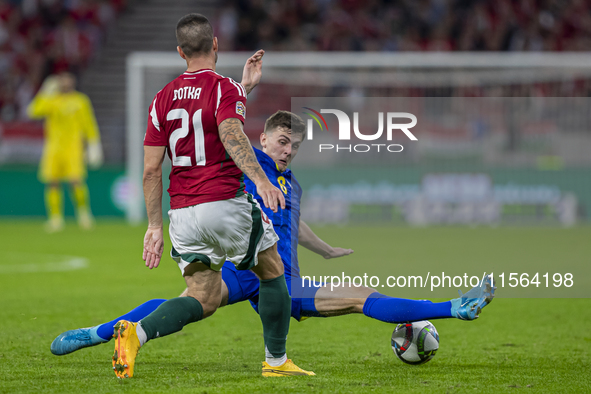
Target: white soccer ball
(415, 343)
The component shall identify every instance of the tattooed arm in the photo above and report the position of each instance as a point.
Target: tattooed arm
(238, 147)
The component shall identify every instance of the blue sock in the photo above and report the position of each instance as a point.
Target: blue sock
(105, 330)
(400, 310)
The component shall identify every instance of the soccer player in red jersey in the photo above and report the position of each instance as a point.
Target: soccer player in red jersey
(198, 120)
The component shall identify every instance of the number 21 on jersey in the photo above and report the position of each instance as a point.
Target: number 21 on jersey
(182, 132)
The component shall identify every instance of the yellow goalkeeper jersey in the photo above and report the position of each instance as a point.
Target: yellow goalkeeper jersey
(69, 121)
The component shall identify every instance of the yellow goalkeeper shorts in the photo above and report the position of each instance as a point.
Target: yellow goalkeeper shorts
(62, 167)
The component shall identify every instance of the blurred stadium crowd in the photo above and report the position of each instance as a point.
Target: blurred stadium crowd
(42, 37)
(406, 25)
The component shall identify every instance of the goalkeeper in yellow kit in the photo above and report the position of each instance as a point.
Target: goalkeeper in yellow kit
(69, 124)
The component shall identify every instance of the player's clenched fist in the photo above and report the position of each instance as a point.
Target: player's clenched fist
(271, 196)
(153, 246)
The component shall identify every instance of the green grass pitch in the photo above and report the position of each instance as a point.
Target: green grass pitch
(50, 283)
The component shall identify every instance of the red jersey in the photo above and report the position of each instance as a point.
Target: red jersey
(184, 117)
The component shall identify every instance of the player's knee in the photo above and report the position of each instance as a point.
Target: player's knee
(272, 259)
(209, 300)
(209, 304)
(276, 266)
(270, 265)
(209, 309)
(357, 305)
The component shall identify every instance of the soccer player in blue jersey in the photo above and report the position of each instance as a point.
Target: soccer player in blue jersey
(283, 134)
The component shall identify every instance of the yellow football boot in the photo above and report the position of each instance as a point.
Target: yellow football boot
(127, 346)
(287, 369)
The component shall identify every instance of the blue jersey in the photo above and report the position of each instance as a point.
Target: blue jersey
(286, 222)
(244, 285)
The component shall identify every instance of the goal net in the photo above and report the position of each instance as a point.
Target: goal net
(501, 138)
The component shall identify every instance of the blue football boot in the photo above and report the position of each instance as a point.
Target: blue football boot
(469, 305)
(72, 340)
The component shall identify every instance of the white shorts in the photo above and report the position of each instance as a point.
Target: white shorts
(235, 230)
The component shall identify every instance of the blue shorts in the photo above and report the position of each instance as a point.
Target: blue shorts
(244, 285)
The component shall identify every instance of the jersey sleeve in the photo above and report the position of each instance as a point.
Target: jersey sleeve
(41, 106)
(231, 101)
(155, 134)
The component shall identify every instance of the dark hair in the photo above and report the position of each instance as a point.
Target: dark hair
(285, 119)
(194, 35)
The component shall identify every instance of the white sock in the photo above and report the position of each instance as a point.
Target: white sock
(141, 334)
(274, 361)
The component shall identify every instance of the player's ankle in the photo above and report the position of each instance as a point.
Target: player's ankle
(141, 334)
(276, 361)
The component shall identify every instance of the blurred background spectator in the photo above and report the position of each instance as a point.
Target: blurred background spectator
(405, 25)
(43, 37)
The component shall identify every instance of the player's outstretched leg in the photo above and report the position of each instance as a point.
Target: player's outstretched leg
(72, 340)
(342, 300)
(203, 298)
(469, 305)
(168, 318)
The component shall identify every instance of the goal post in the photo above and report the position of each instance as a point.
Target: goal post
(320, 74)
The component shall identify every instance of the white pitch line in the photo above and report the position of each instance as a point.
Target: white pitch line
(48, 263)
